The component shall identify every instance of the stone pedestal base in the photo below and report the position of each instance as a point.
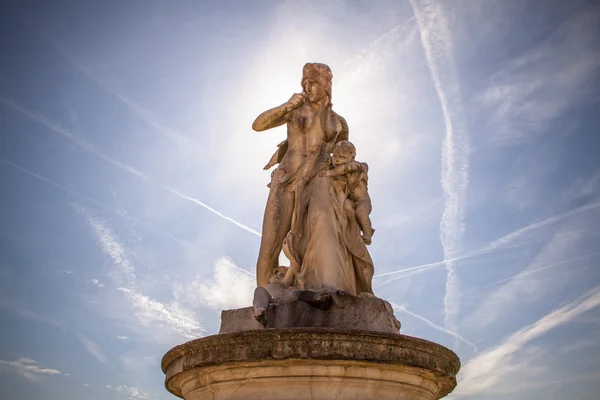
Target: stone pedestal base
(343, 312)
(311, 364)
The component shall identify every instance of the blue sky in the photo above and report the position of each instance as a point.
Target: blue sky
(133, 190)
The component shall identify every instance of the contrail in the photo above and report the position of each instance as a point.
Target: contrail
(80, 142)
(545, 267)
(496, 245)
(194, 200)
(172, 134)
(59, 325)
(97, 203)
(540, 224)
(435, 326)
(72, 192)
(354, 68)
(76, 139)
(435, 37)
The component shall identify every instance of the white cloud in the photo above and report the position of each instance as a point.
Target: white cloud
(584, 187)
(65, 271)
(436, 39)
(28, 368)
(513, 239)
(93, 348)
(578, 346)
(131, 391)
(489, 369)
(123, 271)
(122, 337)
(537, 87)
(228, 288)
(89, 147)
(96, 282)
(108, 386)
(123, 276)
(525, 287)
(150, 311)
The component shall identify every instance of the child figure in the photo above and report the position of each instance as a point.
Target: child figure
(355, 172)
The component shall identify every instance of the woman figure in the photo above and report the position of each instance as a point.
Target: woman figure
(312, 130)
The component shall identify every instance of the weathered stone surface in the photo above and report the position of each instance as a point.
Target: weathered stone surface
(343, 312)
(322, 364)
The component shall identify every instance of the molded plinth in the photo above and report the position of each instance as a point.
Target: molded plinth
(310, 363)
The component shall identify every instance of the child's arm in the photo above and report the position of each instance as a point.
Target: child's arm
(343, 169)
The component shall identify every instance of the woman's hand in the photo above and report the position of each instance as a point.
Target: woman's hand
(296, 101)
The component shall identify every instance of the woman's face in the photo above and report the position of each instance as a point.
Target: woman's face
(314, 91)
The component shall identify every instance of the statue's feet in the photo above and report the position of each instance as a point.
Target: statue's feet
(260, 314)
(321, 299)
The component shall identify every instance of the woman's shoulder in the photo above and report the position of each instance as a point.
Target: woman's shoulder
(342, 127)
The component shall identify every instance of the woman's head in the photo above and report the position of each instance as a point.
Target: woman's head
(316, 81)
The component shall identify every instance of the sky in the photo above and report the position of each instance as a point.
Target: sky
(133, 190)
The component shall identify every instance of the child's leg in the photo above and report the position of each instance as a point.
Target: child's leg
(363, 209)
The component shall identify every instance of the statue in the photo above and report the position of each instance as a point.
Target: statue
(315, 329)
(355, 174)
(312, 130)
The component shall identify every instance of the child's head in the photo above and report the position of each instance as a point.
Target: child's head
(343, 152)
(280, 273)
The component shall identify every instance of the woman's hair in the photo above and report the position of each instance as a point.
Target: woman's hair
(319, 73)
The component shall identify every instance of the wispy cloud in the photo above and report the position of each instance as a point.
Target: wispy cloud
(122, 337)
(123, 272)
(524, 288)
(578, 346)
(513, 239)
(537, 87)
(85, 145)
(369, 59)
(96, 282)
(93, 348)
(436, 40)
(28, 368)
(64, 271)
(543, 268)
(434, 325)
(32, 315)
(96, 203)
(151, 311)
(487, 370)
(228, 288)
(131, 391)
(123, 277)
(585, 187)
(176, 136)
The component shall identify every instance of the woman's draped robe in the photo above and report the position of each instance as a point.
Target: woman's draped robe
(325, 247)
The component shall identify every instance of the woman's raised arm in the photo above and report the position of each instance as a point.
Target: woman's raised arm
(279, 115)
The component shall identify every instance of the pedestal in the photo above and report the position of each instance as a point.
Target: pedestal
(311, 364)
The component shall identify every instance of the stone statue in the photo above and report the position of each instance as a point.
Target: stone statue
(317, 211)
(312, 130)
(355, 175)
(315, 329)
